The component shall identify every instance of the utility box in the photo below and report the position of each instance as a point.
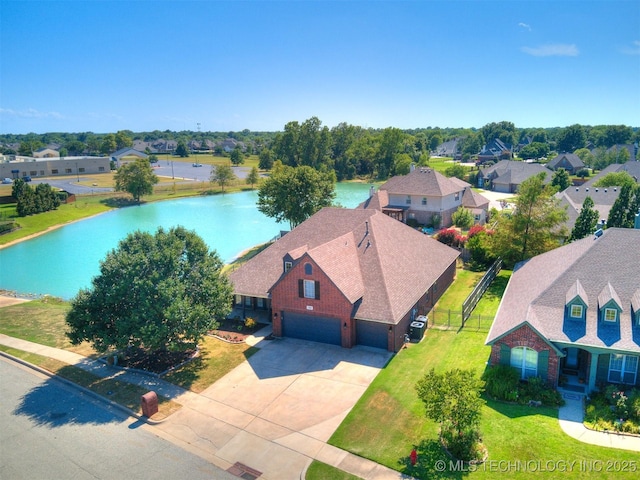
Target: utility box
(149, 403)
(416, 330)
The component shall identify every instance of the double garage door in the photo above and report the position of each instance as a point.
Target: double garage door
(309, 327)
(327, 330)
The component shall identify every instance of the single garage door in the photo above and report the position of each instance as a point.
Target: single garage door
(308, 327)
(372, 334)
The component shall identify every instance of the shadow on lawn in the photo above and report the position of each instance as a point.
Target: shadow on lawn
(514, 410)
(434, 463)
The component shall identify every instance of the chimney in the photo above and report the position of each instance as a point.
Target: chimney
(366, 226)
(372, 190)
(636, 224)
(412, 167)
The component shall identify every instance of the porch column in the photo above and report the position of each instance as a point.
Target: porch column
(593, 369)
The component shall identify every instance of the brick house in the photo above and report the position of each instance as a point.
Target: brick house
(345, 277)
(425, 195)
(507, 175)
(573, 314)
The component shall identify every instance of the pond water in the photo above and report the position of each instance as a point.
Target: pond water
(61, 262)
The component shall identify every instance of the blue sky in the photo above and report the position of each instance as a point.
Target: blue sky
(103, 66)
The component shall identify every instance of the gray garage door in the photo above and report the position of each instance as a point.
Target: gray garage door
(308, 327)
(372, 334)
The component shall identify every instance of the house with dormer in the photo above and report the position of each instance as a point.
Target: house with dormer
(345, 277)
(572, 315)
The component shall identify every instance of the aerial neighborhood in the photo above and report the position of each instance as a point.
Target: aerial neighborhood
(415, 274)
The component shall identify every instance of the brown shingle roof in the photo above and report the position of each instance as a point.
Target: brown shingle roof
(364, 252)
(537, 291)
(422, 181)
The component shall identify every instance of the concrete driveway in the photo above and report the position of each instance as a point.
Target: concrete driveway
(275, 412)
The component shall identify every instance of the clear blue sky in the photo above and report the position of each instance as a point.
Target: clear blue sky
(103, 66)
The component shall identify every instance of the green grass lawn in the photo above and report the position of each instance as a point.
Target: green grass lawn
(389, 418)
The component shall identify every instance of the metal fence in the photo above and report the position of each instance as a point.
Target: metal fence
(446, 319)
(474, 297)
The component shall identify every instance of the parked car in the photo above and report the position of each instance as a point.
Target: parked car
(197, 164)
(7, 181)
(26, 178)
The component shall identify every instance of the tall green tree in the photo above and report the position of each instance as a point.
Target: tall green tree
(181, 149)
(136, 178)
(571, 139)
(237, 157)
(253, 177)
(156, 292)
(625, 208)
(222, 175)
(534, 227)
(586, 222)
(266, 159)
(294, 194)
(123, 139)
(561, 179)
(454, 400)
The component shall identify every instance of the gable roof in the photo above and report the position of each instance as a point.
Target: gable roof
(471, 199)
(571, 159)
(606, 268)
(573, 198)
(366, 254)
(631, 167)
(423, 181)
(514, 172)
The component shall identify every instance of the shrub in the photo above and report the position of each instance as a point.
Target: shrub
(501, 382)
(447, 236)
(465, 445)
(462, 217)
(250, 322)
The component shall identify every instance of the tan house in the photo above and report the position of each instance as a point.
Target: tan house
(572, 315)
(345, 277)
(20, 167)
(426, 196)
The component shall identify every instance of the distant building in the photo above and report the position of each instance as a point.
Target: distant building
(506, 175)
(569, 161)
(46, 153)
(19, 166)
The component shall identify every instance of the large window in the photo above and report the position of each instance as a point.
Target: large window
(309, 289)
(623, 368)
(408, 199)
(525, 360)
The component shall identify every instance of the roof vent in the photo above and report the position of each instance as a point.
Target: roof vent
(577, 189)
(586, 189)
(596, 190)
(615, 189)
(605, 190)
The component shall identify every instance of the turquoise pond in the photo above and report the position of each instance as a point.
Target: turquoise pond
(61, 262)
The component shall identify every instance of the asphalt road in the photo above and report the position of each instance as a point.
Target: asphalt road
(51, 431)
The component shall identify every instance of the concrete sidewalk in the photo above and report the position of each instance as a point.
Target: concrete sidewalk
(224, 434)
(571, 416)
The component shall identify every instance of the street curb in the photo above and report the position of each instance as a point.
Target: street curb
(85, 390)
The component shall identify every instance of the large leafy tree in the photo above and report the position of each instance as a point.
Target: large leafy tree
(136, 178)
(571, 139)
(237, 157)
(294, 194)
(453, 399)
(156, 292)
(222, 175)
(625, 208)
(586, 222)
(253, 176)
(534, 227)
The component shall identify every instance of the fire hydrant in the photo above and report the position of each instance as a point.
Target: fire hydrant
(414, 457)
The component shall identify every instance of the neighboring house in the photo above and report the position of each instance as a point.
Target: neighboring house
(448, 149)
(423, 194)
(478, 205)
(572, 315)
(127, 152)
(345, 277)
(46, 153)
(631, 167)
(230, 144)
(574, 197)
(569, 161)
(495, 151)
(19, 166)
(507, 175)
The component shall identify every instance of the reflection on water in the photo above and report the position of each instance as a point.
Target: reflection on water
(64, 260)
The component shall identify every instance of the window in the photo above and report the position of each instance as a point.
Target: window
(424, 200)
(67, 170)
(33, 173)
(287, 266)
(623, 368)
(408, 199)
(576, 311)
(260, 303)
(457, 196)
(309, 289)
(54, 171)
(610, 314)
(42, 173)
(308, 269)
(525, 360)
(81, 170)
(101, 169)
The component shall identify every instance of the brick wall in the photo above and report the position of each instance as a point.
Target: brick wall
(527, 337)
(332, 303)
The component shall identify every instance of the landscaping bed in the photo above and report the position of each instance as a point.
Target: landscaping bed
(236, 330)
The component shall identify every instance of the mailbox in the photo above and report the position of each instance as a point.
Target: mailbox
(149, 403)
